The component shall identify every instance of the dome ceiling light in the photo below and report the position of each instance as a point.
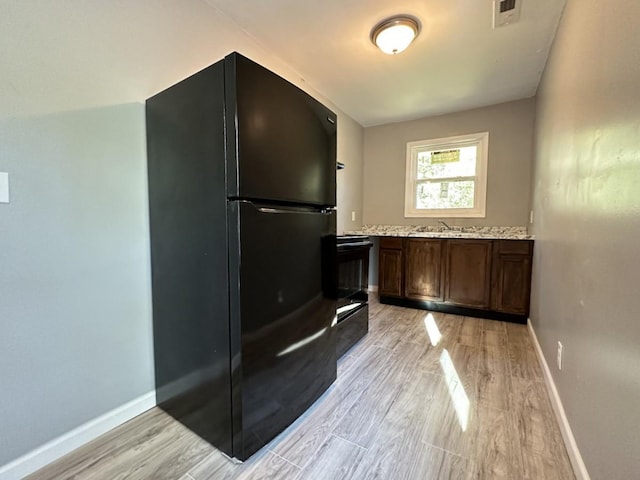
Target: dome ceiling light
(395, 34)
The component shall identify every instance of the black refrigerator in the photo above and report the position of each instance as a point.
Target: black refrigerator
(242, 191)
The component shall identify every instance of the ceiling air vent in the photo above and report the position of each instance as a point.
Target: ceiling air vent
(505, 12)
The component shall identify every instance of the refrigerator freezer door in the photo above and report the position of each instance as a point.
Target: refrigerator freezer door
(284, 304)
(284, 147)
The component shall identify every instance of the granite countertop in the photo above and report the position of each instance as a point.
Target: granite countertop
(500, 233)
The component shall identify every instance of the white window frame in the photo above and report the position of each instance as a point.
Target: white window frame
(481, 140)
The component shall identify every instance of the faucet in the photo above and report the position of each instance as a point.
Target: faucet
(445, 225)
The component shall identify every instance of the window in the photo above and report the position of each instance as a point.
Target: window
(447, 177)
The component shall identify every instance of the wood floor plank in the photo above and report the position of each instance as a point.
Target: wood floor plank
(391, 338)
(523, 363)
(523, 360)
(493, 360)
(336, 458)
(464, 362)
(153, 446)
(360, 423)
(397, 445)
(493, 338)
(345, 362)
(494, 326)
(449, 419)
(263, 465)
(449, 327)
(271, 466)
(434, 328)
(308, 433)
(465, 358)
(424, 357)
(379, 312)
(167, 460)
(493, 390)
(537, 467)
(538, 431)
(519, 335)
(470, 332)
(399, 330)
(435, 463)
(217, 466)
(497, 452)
(416, 331)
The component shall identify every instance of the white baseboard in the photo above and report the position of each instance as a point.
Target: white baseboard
(579, 468)
(372, 288)
(58, 447)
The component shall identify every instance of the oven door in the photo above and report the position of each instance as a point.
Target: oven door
(353, 268)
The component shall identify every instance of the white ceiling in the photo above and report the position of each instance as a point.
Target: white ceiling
(64, 54)
(458, 62)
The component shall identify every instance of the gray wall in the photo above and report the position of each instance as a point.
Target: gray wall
(587, 203)
(510, 127)
(76, 337)
(349, 180)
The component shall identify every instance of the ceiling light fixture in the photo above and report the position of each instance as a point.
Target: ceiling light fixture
(395, 34)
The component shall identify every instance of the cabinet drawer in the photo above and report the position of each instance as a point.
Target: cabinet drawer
(514, 247)
(391, 242)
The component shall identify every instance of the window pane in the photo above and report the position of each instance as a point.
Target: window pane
(447, 163)
(445, 194)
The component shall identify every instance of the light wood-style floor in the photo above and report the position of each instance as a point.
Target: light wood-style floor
(423, 396)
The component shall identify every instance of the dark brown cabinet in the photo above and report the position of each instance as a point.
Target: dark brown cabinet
(511, 276)
(487, 278)
(468, 273)
(390, 267)
(423, 269)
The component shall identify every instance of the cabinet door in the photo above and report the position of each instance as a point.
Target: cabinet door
(511, 277)
(390, 272)
(423, 272)
(468, 273)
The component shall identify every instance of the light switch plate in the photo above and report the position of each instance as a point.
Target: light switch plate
(4, 187)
